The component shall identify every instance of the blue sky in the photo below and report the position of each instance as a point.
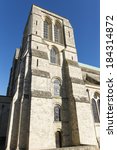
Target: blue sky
(83, 15)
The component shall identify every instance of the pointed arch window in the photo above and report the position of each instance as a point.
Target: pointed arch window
(48, 29)
(58, 32)
(58, 139)
(57, 113)
(95, 111)
(56, 87)
(54, 56)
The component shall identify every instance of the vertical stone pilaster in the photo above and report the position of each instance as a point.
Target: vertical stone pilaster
(24, 108)
(53, 39)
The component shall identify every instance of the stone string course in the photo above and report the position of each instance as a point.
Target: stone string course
(77, 81)
(82, 100)
(41, 94)
(40, 54)
(72, 63)
(41, 73)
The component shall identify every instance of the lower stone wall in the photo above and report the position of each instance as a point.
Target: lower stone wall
(77, 148)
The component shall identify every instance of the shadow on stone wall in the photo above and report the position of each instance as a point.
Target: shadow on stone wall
(69, 118)
(17, 107)
(2, 143)
(21, 115)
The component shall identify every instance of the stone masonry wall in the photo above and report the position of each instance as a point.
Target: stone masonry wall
(32, 125)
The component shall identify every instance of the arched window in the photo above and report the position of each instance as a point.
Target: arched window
(57, 113)
(95, 111)
(58, 32)
(56, 87)
(54, 56)
(48, 29)
(58, 139)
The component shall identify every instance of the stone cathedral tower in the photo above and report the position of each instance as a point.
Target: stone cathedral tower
(50, 106)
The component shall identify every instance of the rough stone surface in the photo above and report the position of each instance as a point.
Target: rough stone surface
(41, 73)
(41, 94)
(77, 81)
(73, 63)
(82, 100)
(39, 54)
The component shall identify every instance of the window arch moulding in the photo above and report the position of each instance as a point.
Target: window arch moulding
(54, 56)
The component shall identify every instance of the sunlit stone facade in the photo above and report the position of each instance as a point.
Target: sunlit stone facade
(55, 99)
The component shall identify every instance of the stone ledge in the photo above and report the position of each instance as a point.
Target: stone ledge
(39, 54)
(72, 63)
(77, 81)
(82, 100)
(92, 79)
(89, 70)
(77, 148)
(41, 94)
(41, 73)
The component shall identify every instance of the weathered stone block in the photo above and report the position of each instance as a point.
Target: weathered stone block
(41, 94)
(41, 73)
(82, 99)
(39, 54)
(73, 63)
(77, 81)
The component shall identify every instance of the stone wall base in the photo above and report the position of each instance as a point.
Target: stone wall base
(77, 148)
(67, 148)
